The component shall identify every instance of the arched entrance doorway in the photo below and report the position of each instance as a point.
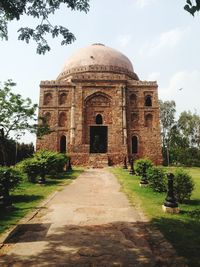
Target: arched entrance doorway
(63, 143)
(98, 139)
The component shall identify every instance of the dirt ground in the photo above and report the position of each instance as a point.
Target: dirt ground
(88, 224)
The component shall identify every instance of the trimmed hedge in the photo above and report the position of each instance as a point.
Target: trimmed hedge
(157, 179)
(183, 185)
(147, 163)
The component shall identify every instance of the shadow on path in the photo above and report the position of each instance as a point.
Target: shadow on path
(122, 244)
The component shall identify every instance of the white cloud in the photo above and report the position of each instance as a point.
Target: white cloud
(184, 88)
(124, 39)
(165, 40)
(144, 3)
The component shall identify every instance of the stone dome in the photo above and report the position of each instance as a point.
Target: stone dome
(97, 58)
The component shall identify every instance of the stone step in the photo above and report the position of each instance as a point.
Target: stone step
(98, 160)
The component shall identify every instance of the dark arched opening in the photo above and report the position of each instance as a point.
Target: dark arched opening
(99, 119)
(148, 101)
(63, 144)
(134, 144)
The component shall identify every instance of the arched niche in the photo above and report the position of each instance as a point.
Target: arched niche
(134, 144)
(133, 100)
(62, 98)
(62, 119)
(47, 98)
(63, 144)
(99, 119)
(148, 101)
(134, 118)
(47, 118)
(149, 120)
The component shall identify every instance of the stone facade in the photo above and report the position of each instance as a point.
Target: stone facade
(100, 114)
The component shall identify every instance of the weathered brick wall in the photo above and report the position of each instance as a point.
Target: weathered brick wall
(143, 121)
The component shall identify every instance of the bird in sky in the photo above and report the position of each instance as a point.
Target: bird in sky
(180, 89)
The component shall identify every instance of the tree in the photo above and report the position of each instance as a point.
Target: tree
(167, 118)
(42, 10)
(17, 115)
(189, 125)
(192, 7)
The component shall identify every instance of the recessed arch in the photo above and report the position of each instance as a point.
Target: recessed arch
(47, 118)
(98, 99)
(134, 144)
(62, 119)
(62, 98)
(148, 101)
(133, 99)
(47, 98)
(149, 120)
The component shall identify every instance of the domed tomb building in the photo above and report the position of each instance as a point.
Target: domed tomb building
(99, 111)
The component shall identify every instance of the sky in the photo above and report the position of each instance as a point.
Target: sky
(159, 37)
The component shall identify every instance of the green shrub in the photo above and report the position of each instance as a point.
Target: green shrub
(9, 180)
(157, 179)
(139, 165)
(30, 167)
(183, 185)
(52, 162)
(44, 162)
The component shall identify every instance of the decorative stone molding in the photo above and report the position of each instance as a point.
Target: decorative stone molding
(142, 83)
(97, 68)
(55, 83)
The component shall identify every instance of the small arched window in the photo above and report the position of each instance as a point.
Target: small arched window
(134, 144)
(62, 119)
(149, 120)
(99, 119)
(63, 144)
(148, 101)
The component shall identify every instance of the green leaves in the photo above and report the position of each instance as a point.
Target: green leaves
(39, 9)
(37, 34)
(192, 8)
(15, 112)
(9, 179)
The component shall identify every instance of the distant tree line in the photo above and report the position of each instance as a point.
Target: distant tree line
(16, 151)
(180, 137)
(17, 116)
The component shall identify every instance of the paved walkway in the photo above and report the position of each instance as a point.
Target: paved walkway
(88, 224)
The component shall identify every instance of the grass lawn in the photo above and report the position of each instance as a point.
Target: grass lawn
(183, 229)
(27, 197)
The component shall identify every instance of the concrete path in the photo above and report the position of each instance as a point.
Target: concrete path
(88, 224)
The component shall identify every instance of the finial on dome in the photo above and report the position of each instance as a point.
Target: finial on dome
(98, 44)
